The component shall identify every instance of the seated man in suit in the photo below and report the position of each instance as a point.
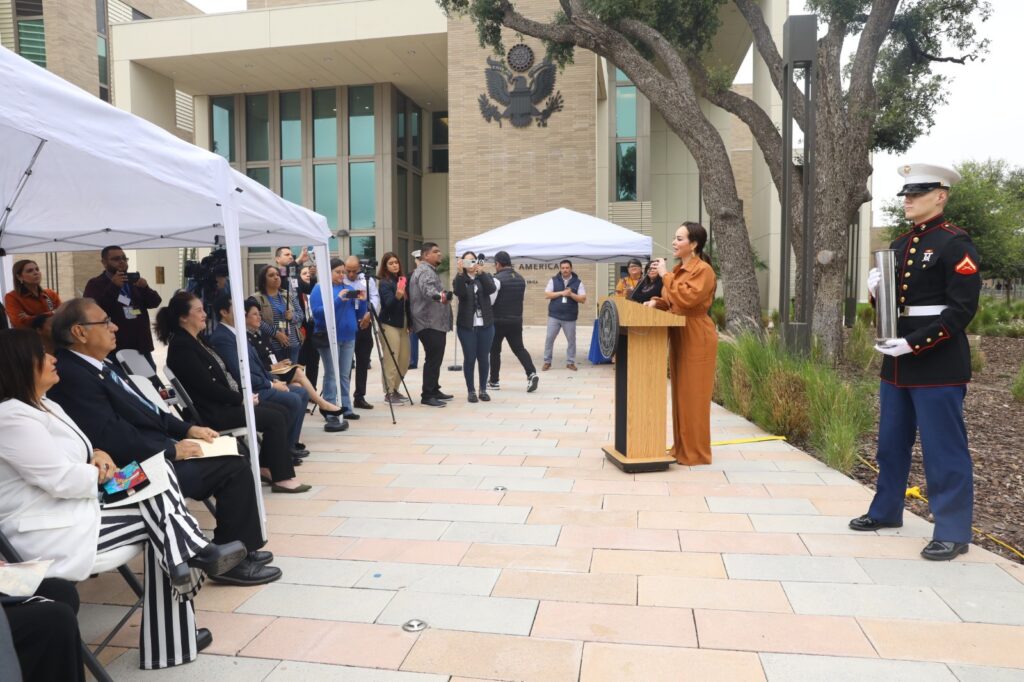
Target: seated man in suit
(119, 420)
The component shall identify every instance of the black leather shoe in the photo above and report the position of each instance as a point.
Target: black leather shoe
(204, 638)
(301, 446)
(261, 557)
(362, 404)
(472, 397)
(248, 573)
(351, 415)
(443, 396)
(299, 453)
(432, 402)
(937, 550)
(484, 397)
(296, 462)
(867, 523)
(334, 426)
(216, 559)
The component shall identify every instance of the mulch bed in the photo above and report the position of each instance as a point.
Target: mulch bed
(995, 427)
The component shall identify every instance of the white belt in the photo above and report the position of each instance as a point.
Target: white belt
(922, 310)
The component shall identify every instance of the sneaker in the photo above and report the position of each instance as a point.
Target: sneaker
(395, 398)
(531, 382)
(335, 425)
(493, 385)
(571, 366)
(546, 367)
(432, 402)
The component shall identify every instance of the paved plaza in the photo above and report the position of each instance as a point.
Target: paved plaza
(532, 558)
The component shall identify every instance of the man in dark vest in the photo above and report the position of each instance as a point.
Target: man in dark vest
(508, 321)
(564, 292)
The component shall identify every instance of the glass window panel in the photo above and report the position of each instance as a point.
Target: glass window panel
(620, 76)
(360, 120)
(291, 184)
(257, 128)
(439, 160)
(223, 115)
(28, 8)
(400, 118)
(291, 125)
(417, 204)
(440, 127)
(625, 111)
(32, 41)
(101, 16)
(101, 54)
(362, 185)
(325, 123)
(325, 192)
(402, 200)
(625, 171)
(364, 248)
(414, 130)
(403, 254)
(260, 175)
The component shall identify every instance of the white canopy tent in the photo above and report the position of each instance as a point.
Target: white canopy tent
(560, 234)
(78, 174)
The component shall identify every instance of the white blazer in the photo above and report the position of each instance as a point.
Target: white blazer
(48, 490)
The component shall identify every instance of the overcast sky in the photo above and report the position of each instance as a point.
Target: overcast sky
(982, 119)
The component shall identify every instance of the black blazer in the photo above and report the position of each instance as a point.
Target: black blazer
(207, 384)
(112, 419)
(482, 288)
(393, 311)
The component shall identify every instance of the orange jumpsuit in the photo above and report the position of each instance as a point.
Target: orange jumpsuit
(689, 291)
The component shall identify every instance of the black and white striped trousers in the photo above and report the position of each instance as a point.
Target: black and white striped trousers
(171, 536)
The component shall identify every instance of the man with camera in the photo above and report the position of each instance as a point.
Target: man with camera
(431, 313)
(127, 299)
(368, 296)
(508, 321)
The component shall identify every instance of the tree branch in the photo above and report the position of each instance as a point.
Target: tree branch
(765, 46)
(876, 28)
(664, 50)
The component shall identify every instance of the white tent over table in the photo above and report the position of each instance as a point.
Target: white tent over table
(78, 174)
(561, 234)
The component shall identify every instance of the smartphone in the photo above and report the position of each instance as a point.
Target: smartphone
(133, 277)
(401, 282)
(125, 482)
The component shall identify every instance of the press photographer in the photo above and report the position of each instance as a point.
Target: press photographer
(357, 278)
(431, 320)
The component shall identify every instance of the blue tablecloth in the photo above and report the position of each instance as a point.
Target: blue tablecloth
(595, 356)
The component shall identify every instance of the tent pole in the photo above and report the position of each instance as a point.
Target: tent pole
(323, 273)
(17, 190)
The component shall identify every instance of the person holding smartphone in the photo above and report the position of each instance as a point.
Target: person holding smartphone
(344, 300)
(394, 324)
(475, 290)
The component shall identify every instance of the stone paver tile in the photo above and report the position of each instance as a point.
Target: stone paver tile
(717, 490)
(694, 521)
(851, 492)
(320, 466)
(487, 513)
(683, 475)
(834, 478)
(832, 525)
(740, 543)
(848, 508)
(225, 598)
(277, 504)
(448, 496)
(583, 517)
(774, 477)
(428, 578)
(502, 471)
(808, 465)
(478, 655)
(620, 662)
(231, 631)
(1015, 570)
(356, 644)
(592, 463)
(979, 673)
(95, 621)
(502, 533)
(795, 568)
(107, 588)
(621, 487)
(328, 572)
(869, 545)
(648, 625)
(312, 546)
(487, 460)
(782, 633)
(541, 485)
(418, 469)
(409, 551)
(125, 668)
(567, 500)
(532, 450)
(636, 562)
(527, 557)
(396, 529)
(427, 481)
(985, 606)
(655, 503)
(302, 525)
(462, 612)
(600, 588)
(377, 510)
(940, 574)
(321, 603)
(369, 480)
(618, 538)
(588, 474)
(356, 493)
(971, 643)
(299, 671)
(868, 601)
(737, 465)
(786, 667)
(775, 505)
(712, 593)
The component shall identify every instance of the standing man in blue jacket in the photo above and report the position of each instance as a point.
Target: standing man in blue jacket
(564, 292)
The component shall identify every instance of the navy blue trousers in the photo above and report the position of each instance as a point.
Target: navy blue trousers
(936, 413)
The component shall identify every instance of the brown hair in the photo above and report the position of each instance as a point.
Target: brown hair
(168, 318)
(16, 272)
(383, 272)
(696, 233)
(21, 356)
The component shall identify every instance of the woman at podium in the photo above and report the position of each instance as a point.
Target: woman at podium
(688, 290)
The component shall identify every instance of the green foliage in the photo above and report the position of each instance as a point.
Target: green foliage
(717, 313)
(978, 359)
(860, 342)
(1017, 390)
(800, 398)
(997, 317)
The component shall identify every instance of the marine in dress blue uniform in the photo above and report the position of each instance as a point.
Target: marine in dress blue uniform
(926, 369)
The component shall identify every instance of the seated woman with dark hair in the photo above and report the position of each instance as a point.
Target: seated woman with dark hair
(647, 287)
(49, 478)
(217, 395)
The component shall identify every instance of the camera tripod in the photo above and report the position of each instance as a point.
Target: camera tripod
(379, 336)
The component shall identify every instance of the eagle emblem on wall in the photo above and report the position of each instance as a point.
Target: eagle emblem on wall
(517, 90)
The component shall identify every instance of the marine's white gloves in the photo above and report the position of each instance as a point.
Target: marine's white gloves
(874, 277)
(893, 347)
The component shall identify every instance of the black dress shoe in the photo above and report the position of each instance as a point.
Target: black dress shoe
(443, 396)
(261, 557)
(335, 425)
(867, 523)
(296, 462)
(484, 397)
(204, 638)
(937, 550)
(216, 559)
(362, 404)
(351, 415)
(472, 397)
(299, 453)
(301, 446)
(432, 402)
(248, 573)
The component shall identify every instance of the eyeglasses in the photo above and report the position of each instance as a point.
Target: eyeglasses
(124, 258)
(105, 322)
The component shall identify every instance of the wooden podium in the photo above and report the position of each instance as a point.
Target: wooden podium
(641, 364)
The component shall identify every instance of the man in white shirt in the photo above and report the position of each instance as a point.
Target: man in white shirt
(564, 292)
(367, 289)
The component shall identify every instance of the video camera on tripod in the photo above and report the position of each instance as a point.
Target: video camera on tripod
(202, 275)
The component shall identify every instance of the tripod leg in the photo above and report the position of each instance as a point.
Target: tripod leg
(379, 335)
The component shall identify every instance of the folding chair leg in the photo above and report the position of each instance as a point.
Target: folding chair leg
(93, 665)
(211, 506)
(132, 581)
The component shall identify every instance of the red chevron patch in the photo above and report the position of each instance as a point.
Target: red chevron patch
(966, 266)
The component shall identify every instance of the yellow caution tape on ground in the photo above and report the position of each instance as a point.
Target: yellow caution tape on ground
(740, 441)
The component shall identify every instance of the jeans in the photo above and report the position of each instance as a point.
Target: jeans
(346, 349)
(414, 350)
(476, 346)
(514, 333)
(554, 326)
(433, 350)
(294, 400)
